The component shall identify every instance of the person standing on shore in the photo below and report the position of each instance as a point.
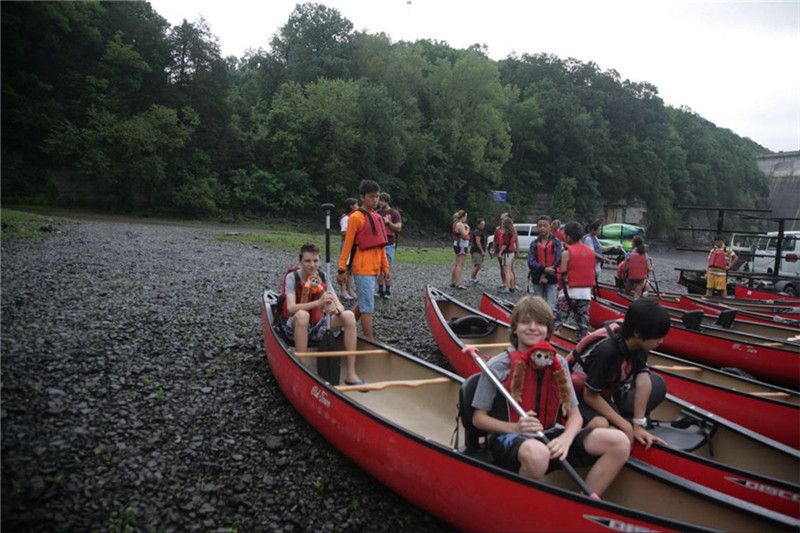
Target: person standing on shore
(508, 251)
(478, 250)
(394, 225)
(720, 260)
(460, 231)
(495, 252)
(363, 250)
(544, 260)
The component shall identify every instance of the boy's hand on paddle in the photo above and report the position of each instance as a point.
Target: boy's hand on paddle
(528, 425)
(559, 447)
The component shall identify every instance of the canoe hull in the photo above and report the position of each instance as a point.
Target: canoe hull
(438, 479)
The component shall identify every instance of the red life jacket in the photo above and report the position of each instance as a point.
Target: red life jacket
(498, 237)
(621, 272)
(580, 271)
(637, 266)
(578, 355)
(539, 393)
(456, 235)
(717, 258)
(316, 313)
(545, 251)
(373, 233)
(510, 241)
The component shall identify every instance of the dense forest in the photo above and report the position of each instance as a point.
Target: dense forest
(109, 103)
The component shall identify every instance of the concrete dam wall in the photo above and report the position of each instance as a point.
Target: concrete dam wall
(783, 172)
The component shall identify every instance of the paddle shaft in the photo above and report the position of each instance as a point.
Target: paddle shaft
(540, 435)
(328, 368)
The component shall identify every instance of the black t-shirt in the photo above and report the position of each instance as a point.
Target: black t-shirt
(610, 364)
(474, 246)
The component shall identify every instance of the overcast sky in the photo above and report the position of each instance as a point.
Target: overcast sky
(734, 63)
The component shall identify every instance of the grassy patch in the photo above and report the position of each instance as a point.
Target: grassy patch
(20, 225)
(292, 241)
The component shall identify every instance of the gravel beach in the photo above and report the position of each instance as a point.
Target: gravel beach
(136, 395)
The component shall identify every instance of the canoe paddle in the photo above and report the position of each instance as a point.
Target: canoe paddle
(473, 352)
(328, 367)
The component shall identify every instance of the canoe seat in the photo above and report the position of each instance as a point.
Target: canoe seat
(475, 440)
(692, 319)
(686, 433)
(472, 326)
(726, 318)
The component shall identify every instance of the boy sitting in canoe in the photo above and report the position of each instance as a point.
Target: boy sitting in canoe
(545, 392)
(308, 300)
(617, 387)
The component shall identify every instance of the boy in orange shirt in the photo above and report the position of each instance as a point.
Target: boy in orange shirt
(364, 243)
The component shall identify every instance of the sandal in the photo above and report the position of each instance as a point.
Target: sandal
(463, 288)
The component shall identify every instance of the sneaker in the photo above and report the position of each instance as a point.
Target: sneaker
(347, 296)
(474, 282)
(379, 294)
(504, 291)
(387, 296)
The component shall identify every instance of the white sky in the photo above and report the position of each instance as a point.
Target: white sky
(735, 63)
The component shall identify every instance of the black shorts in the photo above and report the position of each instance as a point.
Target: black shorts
(504, 453)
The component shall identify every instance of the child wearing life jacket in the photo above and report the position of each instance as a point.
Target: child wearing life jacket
(638, 265)
(544, 260)
(364, 253)
(538, 378)
(611, 375)
(720, 259)
(576, 279)
(306, 303)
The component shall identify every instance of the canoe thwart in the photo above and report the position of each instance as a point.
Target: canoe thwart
(768, 394)
(343, 353)
(380, 385)
(489, 346)
(677, 368)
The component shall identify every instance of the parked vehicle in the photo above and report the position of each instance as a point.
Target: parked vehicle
(763, 260)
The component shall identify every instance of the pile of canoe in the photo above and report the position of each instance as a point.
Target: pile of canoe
(400, 428)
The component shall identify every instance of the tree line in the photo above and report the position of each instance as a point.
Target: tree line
(110, 99)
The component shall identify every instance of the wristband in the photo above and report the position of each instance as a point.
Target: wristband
(640, 421)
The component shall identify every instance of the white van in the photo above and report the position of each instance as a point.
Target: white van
(763, 261)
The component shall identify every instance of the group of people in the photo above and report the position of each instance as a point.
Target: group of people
(367, 248)
(590, 418)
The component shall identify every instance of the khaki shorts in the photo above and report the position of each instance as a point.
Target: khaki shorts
(477, 258)
(507, 259)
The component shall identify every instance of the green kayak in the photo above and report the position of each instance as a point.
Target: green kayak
(620, 231)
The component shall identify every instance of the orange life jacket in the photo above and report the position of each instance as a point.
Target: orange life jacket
(316, 313)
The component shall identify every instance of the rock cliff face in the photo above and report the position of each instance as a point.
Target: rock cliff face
(783, 172)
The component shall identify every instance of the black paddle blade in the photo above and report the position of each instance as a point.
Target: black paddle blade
(328, 367)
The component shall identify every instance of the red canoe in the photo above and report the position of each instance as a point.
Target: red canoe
(768, 359)
(731, 442)
(750, 293)
(729, 321)
(400, 432)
